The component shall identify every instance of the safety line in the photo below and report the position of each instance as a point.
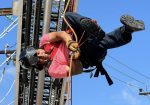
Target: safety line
(11, 103)
(129, 84)
(76, 39)
(2, 35)
(9, 26)
(1, 79)
(147, 77)
(7, 29)
(113, 68)
(7, 92)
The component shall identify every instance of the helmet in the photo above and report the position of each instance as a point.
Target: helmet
(28, 58)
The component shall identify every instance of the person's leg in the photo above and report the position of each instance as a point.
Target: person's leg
(122, 35)
(81, 23)
(115, 39)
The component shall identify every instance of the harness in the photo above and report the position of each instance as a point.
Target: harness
(92, 56)
(99, 69)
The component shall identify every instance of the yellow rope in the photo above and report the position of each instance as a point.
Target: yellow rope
(76, 39)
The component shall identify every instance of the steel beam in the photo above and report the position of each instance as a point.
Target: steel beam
(19, 34)
(5, 11)
(7, 51)
(46, 26)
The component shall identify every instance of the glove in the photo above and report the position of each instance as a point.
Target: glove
(72, 45)
(76, 54)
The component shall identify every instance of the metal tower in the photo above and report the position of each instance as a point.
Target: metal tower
(35, 18)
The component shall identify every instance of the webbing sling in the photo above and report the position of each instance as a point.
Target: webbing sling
(101, 69)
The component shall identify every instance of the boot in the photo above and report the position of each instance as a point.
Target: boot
(131, 25)
(90, 26)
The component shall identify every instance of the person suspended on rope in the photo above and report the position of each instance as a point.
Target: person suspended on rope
(54, 48)
(94, 42)
(90, 50)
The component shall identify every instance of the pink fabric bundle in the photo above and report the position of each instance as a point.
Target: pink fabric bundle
(59, 57)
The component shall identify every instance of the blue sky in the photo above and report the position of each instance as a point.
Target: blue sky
(9, 75)
(95, 91)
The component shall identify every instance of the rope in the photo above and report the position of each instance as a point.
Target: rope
(81, 37)
(129, 84)
(2, 35)
(11, 102)
(1, 79)
(7, 93)
(69, 82)
(9, 28)
(76, 39)
(113, 68)
(135, 71)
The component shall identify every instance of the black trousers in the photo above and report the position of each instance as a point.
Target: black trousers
(94, 49)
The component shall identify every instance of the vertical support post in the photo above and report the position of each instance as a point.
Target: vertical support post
(41, 77)
(19, 32)
(75, 9)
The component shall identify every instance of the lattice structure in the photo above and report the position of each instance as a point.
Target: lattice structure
(30, 29)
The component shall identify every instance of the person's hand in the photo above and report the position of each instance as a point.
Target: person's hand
(76, 54)
(72, 45)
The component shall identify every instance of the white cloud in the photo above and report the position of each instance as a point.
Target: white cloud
(130, 98)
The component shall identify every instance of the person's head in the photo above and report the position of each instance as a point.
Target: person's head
(32, 57)
(42, 55)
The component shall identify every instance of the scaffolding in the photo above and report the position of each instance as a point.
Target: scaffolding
(35, 18)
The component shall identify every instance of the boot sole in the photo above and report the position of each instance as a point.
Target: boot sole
(135, 25)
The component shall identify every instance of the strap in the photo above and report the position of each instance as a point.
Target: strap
(89, 70)
(101, 69)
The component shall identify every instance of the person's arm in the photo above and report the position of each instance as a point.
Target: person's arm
(57, 36)
(62, 35)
